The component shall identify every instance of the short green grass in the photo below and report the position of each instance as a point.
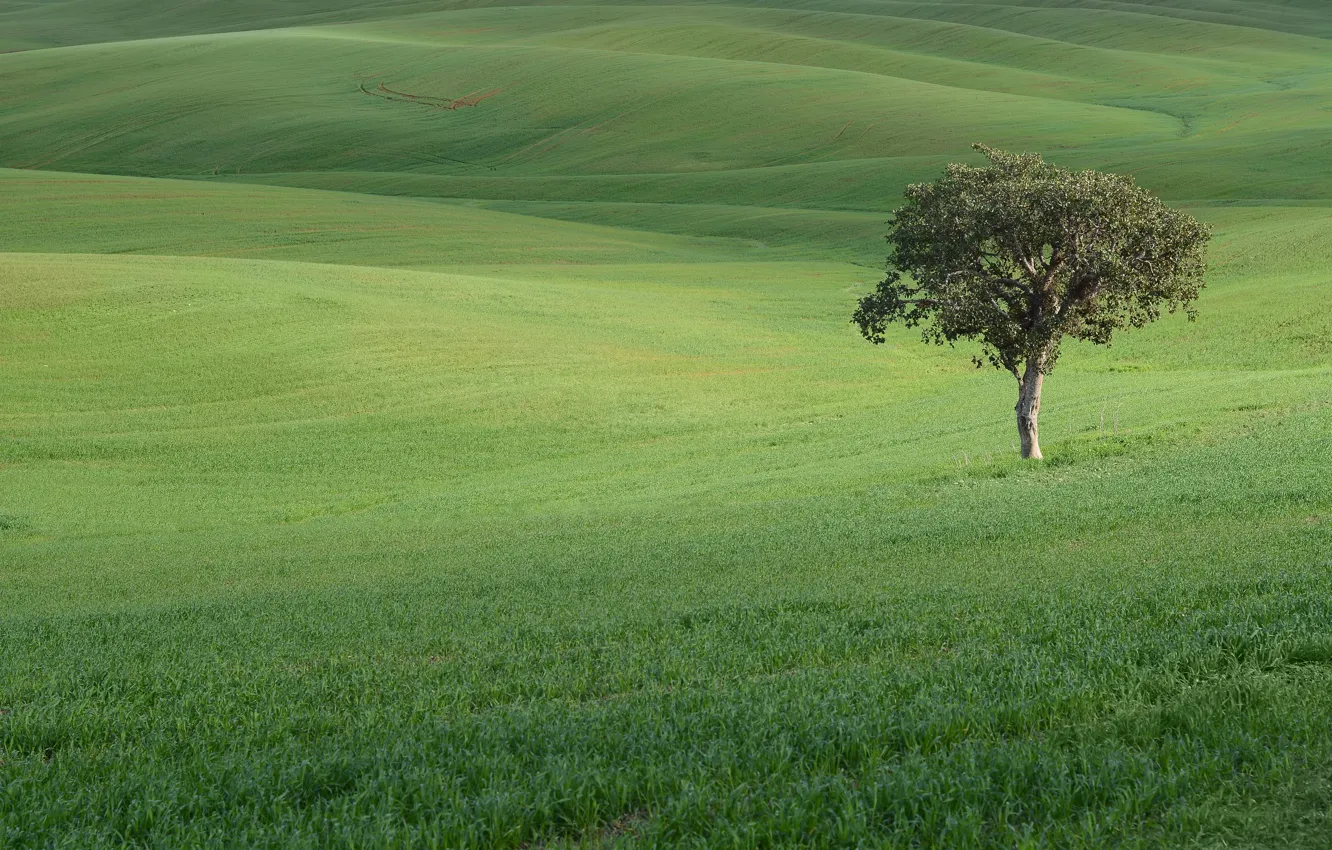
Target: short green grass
(510, 476)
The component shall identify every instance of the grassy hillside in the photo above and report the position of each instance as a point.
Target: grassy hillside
(52, 212)
(439, 425)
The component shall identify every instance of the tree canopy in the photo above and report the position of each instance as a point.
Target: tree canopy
(1021, 253)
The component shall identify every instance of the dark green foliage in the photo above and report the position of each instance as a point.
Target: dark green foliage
(1021, 253)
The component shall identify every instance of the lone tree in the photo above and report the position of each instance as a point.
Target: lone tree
(1021, 253)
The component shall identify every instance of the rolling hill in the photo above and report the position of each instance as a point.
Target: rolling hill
(439, 424)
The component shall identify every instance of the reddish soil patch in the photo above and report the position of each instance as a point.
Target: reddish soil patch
(450, 103)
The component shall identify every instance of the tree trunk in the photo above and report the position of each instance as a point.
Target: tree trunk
(1028, 409)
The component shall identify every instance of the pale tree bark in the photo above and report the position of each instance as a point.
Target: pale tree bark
(1029, 408)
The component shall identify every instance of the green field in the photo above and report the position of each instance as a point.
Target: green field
(437, 423)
